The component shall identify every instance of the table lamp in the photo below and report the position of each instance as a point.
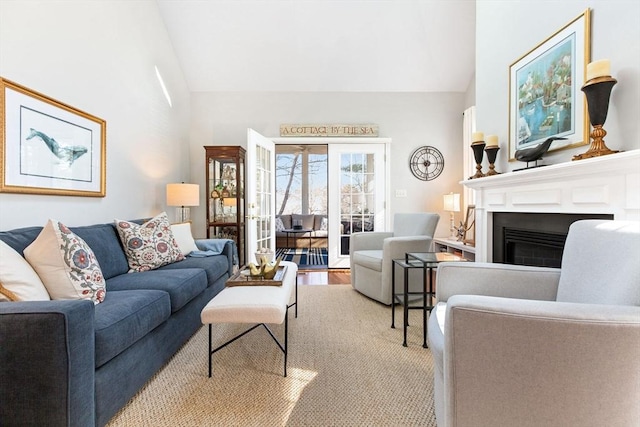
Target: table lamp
(452, 204)
(229, 202)
(183, 195)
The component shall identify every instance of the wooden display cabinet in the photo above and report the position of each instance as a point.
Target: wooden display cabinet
(225, 173)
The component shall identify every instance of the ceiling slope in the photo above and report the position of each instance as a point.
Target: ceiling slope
(323, 45)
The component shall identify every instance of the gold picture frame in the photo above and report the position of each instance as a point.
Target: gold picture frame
(48, 147)
(469, 237)
(544, 90)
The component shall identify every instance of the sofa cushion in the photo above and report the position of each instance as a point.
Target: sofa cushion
(150, 245)
(126, 316)
(286, 220)
(105, 243)
(20, 238)
(371, 259)
(182, 284)
(307, 220)
(18, 280)
(214, 266)
(65, 263)
(279, 224)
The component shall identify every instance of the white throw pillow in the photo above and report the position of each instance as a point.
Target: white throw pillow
(150, 245)
(279, 224)
(18, 281)
(324, 224)
(182, 234)
(66, 265)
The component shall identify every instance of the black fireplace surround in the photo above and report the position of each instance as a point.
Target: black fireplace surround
(534, 239)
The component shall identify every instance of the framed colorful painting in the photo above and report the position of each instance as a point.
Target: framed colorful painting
(544, 90)
(48, 147)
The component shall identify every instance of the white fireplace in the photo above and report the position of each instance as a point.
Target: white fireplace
(600, 185)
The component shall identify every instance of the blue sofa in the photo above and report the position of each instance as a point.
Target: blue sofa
(73, 363)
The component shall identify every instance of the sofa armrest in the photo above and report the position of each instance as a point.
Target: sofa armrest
(398, 247)
(231, 252)
(365, 240)
(499, 280)
(47, 363)
(518, 362)
(226, 247)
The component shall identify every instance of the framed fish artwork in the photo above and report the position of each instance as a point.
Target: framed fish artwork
(48, 147)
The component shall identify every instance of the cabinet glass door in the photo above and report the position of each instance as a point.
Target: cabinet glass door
(225, 194)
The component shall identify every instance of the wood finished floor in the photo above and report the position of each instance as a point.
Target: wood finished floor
(324, 277)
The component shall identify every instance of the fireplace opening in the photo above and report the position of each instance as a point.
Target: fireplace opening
(534, 239)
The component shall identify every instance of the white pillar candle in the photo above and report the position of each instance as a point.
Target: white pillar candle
(492, 140)
(477, 136)
(598, 69)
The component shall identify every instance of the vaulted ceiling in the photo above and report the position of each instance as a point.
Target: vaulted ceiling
(323, 45)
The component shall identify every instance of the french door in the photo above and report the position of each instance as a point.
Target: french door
(357, 195)
(260, 194)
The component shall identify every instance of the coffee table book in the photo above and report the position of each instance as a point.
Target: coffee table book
(243, 278)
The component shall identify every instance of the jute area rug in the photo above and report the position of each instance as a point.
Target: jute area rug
(346, 367)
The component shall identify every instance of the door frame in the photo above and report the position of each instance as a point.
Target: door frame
(344, 141)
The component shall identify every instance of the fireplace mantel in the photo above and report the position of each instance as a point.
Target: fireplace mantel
(600, 185)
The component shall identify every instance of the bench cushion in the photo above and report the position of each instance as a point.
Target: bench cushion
(252, 304)
(126, 316)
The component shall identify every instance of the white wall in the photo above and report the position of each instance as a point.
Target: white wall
(506, 30)
(99, 57)
(410, 119)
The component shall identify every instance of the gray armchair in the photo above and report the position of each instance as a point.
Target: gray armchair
(527, 346)
(370, 253)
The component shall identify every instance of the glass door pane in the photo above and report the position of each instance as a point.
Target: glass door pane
(358, 175)
(260, 194)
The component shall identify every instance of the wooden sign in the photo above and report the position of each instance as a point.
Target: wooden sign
(329, 130)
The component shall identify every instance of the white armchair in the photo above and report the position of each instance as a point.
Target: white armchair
(370, 253)
(528, 346)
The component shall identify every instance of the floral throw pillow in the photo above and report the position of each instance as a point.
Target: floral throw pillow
(150, 245)
(66, 265)
(279, 224)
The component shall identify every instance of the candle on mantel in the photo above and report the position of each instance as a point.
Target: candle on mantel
(477, 137)
(599, 68)
(492, 141)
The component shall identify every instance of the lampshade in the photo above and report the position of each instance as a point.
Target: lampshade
(230, 201)
(183, 194)
(452, 202)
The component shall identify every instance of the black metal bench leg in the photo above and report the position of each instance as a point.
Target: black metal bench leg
(210, 352)
(286, 339)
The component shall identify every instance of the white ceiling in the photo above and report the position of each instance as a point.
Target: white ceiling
(323, 45)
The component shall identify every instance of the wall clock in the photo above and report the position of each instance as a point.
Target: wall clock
(426, 163)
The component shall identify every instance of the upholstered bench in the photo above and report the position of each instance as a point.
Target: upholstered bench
(254, 304)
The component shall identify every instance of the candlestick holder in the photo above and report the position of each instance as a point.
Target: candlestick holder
(478, 153)
(492, 153)
(598, 92)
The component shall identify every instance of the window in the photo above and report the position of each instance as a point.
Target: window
(301, 179)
